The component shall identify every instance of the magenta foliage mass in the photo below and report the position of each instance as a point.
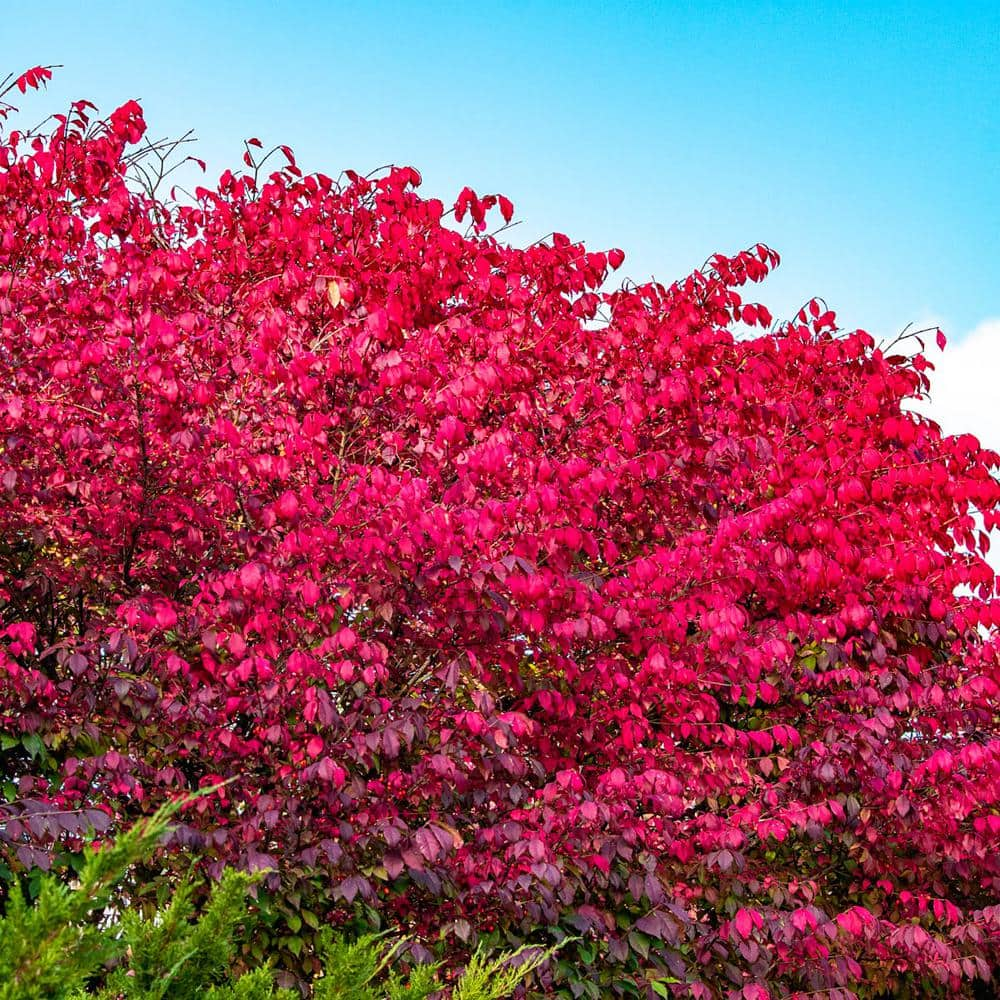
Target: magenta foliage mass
(506, 601)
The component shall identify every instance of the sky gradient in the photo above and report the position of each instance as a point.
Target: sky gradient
(862, 143)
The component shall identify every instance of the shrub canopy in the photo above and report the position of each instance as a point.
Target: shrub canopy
(508, 604)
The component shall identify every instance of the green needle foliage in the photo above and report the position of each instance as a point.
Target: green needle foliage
(494, 978)
(49, 948)
(351, 970)
(181, 954)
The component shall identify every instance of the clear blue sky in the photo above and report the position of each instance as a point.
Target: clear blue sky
(862, 141)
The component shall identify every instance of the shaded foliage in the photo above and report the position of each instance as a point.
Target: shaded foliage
(67, 944)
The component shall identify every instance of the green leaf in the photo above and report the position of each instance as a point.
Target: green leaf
(660, 986)
(639, 943)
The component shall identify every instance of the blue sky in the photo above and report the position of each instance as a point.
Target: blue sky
(861, 141)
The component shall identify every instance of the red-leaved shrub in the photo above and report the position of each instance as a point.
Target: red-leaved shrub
(508, 605)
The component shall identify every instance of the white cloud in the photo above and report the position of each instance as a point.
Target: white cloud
(965, 385)
(965, 395)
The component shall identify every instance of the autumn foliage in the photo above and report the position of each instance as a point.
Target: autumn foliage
(513, 608)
